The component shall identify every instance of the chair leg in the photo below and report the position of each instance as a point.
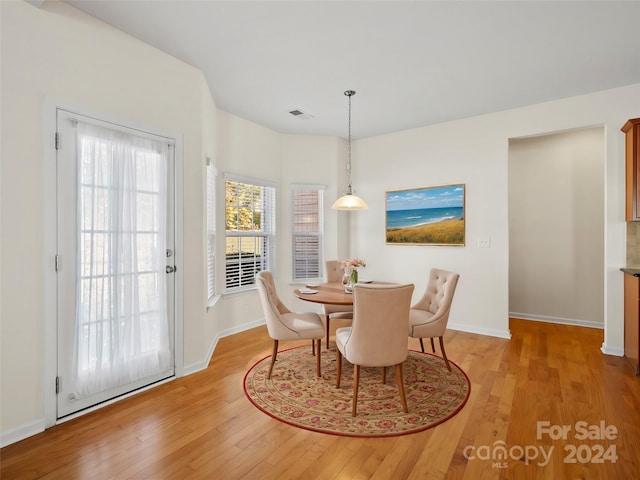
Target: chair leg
(400, 382)
(444, 354)
(356, 382)
(319, 344)
(433, 347)
(327, 317)
(313, 347)
(421, 345)
(273, 357)
(384, 375)
(338, 367)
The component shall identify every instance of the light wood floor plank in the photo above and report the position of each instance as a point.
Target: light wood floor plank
(202, 426)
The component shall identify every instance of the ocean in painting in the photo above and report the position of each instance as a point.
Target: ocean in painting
(421, 216)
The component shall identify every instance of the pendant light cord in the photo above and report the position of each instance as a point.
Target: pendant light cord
(349, 93)
(348, 201)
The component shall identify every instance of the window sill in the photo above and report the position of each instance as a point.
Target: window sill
(240, 291)
(213, 301)
(306, 281)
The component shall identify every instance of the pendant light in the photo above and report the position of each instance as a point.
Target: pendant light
(349, 201)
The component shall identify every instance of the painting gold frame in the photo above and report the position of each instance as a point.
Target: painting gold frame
(426, 216)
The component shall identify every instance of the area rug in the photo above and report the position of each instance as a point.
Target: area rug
(295, 395)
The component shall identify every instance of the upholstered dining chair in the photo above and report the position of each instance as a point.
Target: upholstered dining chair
(428, 318)
(334, 273)
(283, 324)
(378, 336)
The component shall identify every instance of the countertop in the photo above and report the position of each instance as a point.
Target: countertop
(631, 271)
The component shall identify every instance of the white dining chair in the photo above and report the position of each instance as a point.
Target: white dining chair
(334, 273)
(283, 324)
(378, 336)
(429, 317)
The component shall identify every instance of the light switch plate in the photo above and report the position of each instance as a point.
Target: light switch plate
(484, 242)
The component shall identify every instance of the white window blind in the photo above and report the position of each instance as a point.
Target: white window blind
(307, 222)
(249, 231)
(211, 228)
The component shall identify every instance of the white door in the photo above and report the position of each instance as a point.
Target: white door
(115, 239)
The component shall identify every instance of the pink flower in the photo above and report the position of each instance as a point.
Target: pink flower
(353, 263)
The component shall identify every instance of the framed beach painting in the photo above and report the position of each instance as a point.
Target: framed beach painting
(426, 216)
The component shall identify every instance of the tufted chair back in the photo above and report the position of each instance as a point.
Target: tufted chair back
(428, 318)
(334, 271)
(436, 302)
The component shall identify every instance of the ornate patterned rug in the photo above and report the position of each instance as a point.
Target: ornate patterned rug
(295, 395)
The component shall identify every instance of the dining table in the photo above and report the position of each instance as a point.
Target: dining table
(325, 293)
(331, 293)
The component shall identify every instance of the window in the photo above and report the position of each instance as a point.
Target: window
(306, 208)
(249, 229)
(211, 228)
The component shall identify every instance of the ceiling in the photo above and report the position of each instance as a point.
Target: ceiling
(411, 63)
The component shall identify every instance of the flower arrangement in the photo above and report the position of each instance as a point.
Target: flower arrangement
(353, 263)
(350, 268)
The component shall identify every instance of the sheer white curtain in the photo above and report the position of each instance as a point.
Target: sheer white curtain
(122, 328)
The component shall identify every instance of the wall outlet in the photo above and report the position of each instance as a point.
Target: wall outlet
(484, 242)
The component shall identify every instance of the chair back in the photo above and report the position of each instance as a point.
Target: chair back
(272, 307)
(334, 271)
(439, 295)
(379, 334)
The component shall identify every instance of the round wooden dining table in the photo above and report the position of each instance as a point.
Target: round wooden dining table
(327, 293)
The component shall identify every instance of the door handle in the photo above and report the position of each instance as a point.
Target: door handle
(170, 269)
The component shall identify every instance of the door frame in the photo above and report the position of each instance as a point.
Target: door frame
(49, 189)
(602, 128)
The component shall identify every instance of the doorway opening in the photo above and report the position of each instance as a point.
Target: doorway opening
(556, 227)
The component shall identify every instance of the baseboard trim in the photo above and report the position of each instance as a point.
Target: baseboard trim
(38, 426)
(22, 432)
(199, 366)
(614, 351)
(490, 332)
(560, 320)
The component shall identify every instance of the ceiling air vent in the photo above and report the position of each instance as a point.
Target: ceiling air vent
(301, 115)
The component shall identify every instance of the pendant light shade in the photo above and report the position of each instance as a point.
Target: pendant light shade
(349, 201)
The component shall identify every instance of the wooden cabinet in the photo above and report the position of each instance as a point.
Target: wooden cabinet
(632, 321)
(632, 131)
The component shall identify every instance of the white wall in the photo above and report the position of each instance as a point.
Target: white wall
(253, 151)
(308, 160)
(55, 53)
(475, 151)
(556, 227)
(461, 152)
(210, 150)
(248, 149)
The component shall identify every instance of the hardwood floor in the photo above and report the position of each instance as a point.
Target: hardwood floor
(202, 426)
